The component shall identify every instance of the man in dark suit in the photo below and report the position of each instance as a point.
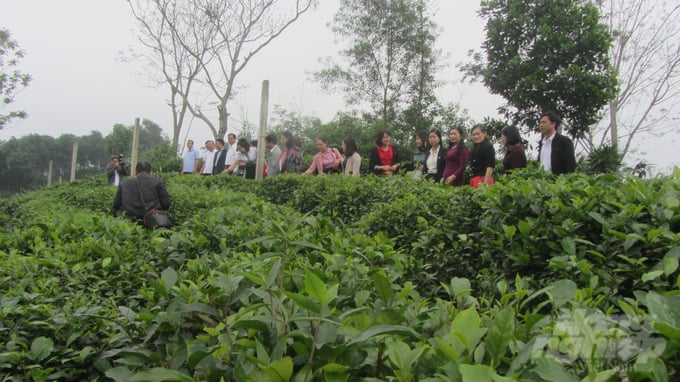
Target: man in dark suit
(144, 186)
(555, 151)
(220, 157)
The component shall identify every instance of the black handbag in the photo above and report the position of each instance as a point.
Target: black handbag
(157, 218)
(154, 217)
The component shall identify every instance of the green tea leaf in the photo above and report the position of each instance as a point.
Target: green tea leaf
(569, 246)
(315, 287)
(653, 275)
(334, 372)
(197, 308)
(169, 277)
(41, 348)
(466, 327)
(524, 228)
(670, 261)
(378, 330)
(665, 310)
(500, 334)
(509, 231)
(476, 373)
(460, 286)
(447, 350)
(281, 368)
(562, 292)
(304, 302)
(383, 287)
(257, 279)
(159, 374)
(119, 374)
(251, 324)
(551, 370)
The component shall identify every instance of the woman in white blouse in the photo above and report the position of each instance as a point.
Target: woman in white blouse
(435, 160)
(352, 162)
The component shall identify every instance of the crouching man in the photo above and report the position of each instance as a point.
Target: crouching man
(140, 194)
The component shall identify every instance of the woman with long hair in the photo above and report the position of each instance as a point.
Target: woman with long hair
(384, 159)
(326, 161)
(291, 155)
(515, 155)
(456, 159)
(435, 161)
(352, 161)
(482, 157)
(422, 148)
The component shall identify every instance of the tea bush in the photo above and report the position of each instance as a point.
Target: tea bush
(331, 278)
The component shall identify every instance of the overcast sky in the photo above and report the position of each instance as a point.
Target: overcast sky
(78, 84)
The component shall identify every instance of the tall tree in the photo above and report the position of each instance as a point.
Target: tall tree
(422, 105)
(211, 42)
(546, 55)
(645, 56)
(390, 56)
(11, 80)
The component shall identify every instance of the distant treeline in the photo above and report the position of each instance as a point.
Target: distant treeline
(24, 161)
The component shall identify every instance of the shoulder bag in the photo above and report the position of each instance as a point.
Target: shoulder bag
(154, 217)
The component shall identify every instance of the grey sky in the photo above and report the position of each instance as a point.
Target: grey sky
(79, 86)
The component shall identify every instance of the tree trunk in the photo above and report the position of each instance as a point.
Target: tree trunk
(223, 115)
(613, 128)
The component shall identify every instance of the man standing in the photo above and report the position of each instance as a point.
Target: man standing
(220, 157)
(191, 159)
(231, 150)
(116, 170)
(208, 158)
(274, 155)
(555, 151)
(138, 195)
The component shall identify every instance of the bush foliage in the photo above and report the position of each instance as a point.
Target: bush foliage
(333, 278)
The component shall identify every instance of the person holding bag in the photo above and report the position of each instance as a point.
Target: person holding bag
(144, 198)
(327, 161)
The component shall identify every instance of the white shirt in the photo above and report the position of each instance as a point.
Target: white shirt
(231, 155)
(546, 152)
(432, 161)
(252, 154)
(209, 159)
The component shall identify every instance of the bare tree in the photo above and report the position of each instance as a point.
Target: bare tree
(163, 30)
(646, 57)
(206, 44)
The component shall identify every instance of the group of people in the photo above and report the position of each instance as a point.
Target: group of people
(238, 157)
(431, 160)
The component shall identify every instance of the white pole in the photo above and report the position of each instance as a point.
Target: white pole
(135, 148)
(74, 160)
(49, 173)
(264, 110)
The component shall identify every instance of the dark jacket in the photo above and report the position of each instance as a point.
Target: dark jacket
(111, 173)
(128, 200)
(220, 162)
(482, 157)
(562, 160)
(514, 158)
(441, 163)
(374, 160)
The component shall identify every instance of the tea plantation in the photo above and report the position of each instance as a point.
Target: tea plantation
(342, 279)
